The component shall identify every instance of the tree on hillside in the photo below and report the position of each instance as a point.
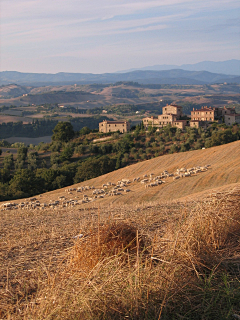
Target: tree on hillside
(63, 132)
(24, 183)
(67, 153)
(8, 162)
(22, 153)
(84, 131)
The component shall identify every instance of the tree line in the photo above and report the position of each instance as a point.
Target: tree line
(40, 128)
(74, 157)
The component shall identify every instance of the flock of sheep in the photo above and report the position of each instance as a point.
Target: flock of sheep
(90, 193)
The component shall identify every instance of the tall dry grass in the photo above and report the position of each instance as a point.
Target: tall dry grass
(188, 271)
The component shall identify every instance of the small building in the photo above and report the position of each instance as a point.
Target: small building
(171, 115)
(166, 118)
(150, 121)
(114, 126)
(197, 124)
(226, 111)
(205, 114)
(230, 119)
(173, 109)
(181, 124)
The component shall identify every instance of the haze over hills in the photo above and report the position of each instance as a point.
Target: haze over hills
(174, 76)
(226, 67)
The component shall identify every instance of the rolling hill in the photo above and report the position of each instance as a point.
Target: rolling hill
(224, 170)
(226, 67)
(174, 76)
(59, 262)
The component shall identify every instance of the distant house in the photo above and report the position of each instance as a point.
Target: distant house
(173, 109)
(230, 119)
(181, 124)
(197, 124)
(205, 115)
(114, 126)
(171, 114)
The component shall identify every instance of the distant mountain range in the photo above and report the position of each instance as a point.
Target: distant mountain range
(231, 67)
(173, 76)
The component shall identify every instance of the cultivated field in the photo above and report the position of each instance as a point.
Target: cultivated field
(9, 118)
(89, 96)
(165, 252)
(28, 141)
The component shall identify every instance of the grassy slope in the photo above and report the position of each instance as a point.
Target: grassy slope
(36, 243)
(224, 170)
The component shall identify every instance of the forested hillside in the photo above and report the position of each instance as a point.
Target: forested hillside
(62, 162)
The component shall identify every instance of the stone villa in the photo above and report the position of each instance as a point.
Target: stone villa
(205, 115)
(113, 126)
(172, 115)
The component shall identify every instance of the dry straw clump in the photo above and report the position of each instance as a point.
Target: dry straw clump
(189, 270)
(109, 240)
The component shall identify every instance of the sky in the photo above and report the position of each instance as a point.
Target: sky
(98, 36)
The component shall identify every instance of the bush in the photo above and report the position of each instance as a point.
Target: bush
(63, 132)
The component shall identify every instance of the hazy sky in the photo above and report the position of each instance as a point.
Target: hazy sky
(110, 35)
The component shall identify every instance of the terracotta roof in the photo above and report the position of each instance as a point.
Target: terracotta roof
(204, 109)
(115, 122)
(174, 105)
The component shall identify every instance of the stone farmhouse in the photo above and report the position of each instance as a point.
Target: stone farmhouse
(205, 115)
(230, 119)
(114, 126)
(171, 114)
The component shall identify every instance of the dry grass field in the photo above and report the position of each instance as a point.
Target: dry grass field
(8, 118)
(224, 169)
(166, 252)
